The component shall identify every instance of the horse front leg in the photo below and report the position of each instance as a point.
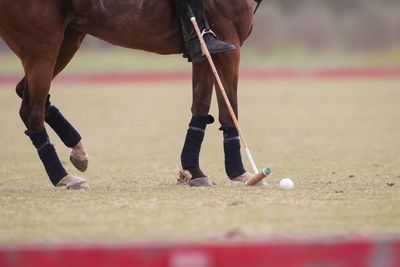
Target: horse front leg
(227, 65)
(53, 117)
(202, 92)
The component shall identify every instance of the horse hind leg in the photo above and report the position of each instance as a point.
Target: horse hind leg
(53, 117)
(69, 135)
(64, 129)
(202, 92)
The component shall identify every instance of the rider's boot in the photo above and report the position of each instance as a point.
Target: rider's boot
(192, 43)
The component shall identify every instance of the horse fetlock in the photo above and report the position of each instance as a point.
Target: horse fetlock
(79, 157)
(74, 183)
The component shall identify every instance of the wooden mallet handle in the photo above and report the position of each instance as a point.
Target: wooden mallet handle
(258, 177)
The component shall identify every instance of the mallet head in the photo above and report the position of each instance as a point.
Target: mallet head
(258, 177)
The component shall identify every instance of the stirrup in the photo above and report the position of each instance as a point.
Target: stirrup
(207, 31)
(204, 32)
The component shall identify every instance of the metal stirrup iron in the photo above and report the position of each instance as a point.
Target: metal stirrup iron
(207, 31)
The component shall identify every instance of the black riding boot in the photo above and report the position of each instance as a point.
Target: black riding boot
(192, 43)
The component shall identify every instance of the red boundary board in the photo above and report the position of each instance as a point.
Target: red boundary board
(347, 253)
(246, 74)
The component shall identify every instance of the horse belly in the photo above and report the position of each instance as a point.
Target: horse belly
(148, 25)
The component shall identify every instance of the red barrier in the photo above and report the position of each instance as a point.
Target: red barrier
(276, 74)
(348, 253)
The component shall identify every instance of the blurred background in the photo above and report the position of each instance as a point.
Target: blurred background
(287, 34)
(339, 32)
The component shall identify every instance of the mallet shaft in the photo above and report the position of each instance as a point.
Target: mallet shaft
(253, 164)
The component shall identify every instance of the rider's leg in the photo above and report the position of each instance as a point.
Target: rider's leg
(189, 34)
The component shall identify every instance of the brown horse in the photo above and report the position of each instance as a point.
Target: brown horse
(45, 35)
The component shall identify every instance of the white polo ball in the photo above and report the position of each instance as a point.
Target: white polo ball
(286, 184)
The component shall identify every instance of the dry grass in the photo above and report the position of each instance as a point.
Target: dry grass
(338, 140)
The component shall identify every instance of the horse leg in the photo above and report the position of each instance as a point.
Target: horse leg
(202, 92)
(38, 52)
(228, 66)
(53, 117)
(39, 75)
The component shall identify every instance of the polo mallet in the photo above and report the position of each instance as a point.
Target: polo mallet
(258, 175)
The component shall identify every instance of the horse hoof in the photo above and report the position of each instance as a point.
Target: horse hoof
(80, 163)
(79, 158)
(199, 182)
(74, 183)
(79, 186)
(246, 176)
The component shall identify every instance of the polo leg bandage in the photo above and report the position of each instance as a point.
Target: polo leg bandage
(233, 159)
(67, 133)
(194, 139)
(48, 155)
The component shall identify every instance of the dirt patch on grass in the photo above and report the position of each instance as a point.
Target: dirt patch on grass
(236, 203)
(234, 234)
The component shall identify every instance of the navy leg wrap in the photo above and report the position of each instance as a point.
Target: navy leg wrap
(233, 159)
(194, 139)
(61, 126)
(48, 155)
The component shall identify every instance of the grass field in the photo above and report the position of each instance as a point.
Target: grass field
(339, 140)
